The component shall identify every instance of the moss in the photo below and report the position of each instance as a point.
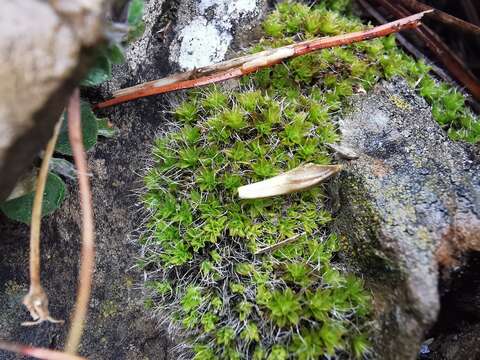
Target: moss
(109, 309)
(201, 243)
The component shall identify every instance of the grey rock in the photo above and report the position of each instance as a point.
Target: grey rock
(42, 47)
(408, 207)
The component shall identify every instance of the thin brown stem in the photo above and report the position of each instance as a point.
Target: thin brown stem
(451, 62)
(250, 63)
(407, 45)
(36, 300)
(278, 245)
(37, 353)
(443, 17)
(87, 257)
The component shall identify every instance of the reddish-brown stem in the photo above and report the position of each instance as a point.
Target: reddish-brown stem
(37, 353)
(471, 11)
(87, 257)
(443, 17)
(453, 64)
(36, 299)
(407, 45)
(251, 63)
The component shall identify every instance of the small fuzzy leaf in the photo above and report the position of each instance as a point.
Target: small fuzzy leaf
(20, 209)
(63, 167)
(135, 20)
(89, 131)
(114, 52)
(106, 129)
(298, 179)
(101, 71)
(135, 12)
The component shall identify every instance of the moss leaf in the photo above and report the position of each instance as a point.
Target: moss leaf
(114, 52)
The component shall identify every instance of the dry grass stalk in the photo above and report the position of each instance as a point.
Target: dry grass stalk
(443, 17)
(278, 245)
(37, 353)
(250, 63)
(36, 300)
(87, 257)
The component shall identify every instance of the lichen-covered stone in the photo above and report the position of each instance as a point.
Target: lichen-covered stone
(206, 29)
(407, 208)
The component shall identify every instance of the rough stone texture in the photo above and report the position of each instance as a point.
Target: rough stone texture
(41, 48)
(118, 326)
(407, 207)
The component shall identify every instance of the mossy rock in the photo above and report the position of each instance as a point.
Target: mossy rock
(396, 204)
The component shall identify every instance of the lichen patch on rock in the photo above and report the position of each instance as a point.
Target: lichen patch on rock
(202, 43)
(206, 33)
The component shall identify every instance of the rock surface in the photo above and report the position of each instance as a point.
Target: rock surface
(42, 47)
(408, 207)
(118, 327)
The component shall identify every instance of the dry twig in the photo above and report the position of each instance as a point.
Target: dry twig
(87, 258)
(471, 10)
(278, 245)
(36, 300)
(250, 63)
(38, 353)
(445, 18)
(407, 45)
(453, 64)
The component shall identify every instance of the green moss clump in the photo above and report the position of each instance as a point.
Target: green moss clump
(206, 277)
(362, 64)
(202, 240)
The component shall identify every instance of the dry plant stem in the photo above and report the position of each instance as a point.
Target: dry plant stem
(37, 353)
(471, 10)
(36, 300)
(451, 62)
(407, 45)
(278, 245)
(87, 257)
(250, 63)
(443, 17)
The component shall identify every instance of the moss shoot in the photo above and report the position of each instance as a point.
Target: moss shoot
(207, 279)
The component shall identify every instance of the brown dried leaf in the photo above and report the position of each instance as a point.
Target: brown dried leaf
(298, 179)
